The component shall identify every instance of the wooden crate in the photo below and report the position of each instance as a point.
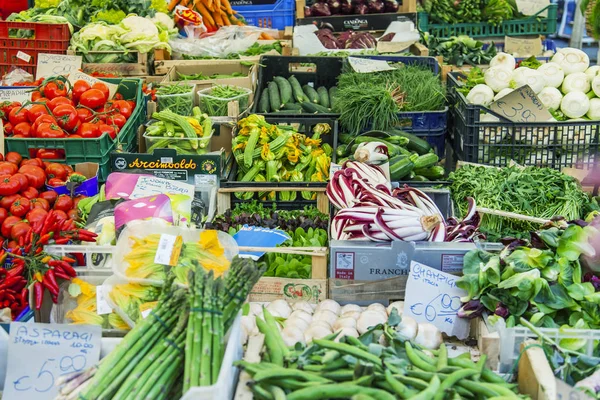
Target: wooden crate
(138, 68)
(535, 376)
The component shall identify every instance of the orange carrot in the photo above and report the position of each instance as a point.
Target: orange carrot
(227, 6)
(266, 36)
(206, 15)
(172, 4)
(218, 19)
(225, 18)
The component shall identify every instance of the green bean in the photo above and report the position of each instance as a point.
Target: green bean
(362, 397)
(274, 351)
(348, 349)
(337, 364)
(313, 368)
(278, 393)
(426, 376)
(356, 343)
(341, 375)
(503, 391)
(366, 380)
(398, 387)
(340, 390)
(178, 98)
(294, 384)
(431, 390)
(262, 393)
(417, 361)
(331, 356)
(442, 361)
(478, 388)
(451, 380)
(214, 101)
(414, 382)
(272, 325)
(282, 373)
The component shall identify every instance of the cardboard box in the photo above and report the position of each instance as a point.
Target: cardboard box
(88, 188)
(208, 69)
(269, 289)
(137, 68)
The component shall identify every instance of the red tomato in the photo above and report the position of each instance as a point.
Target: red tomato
(7, 201)
(8, 128)
(30, 193)
(50, 196)
(73, 214)
(55, 89)
(54, 182)
(63, 203)
(56, 170)
(22, 180)
(60, 215)
(8, 168)
(36, 215)
(35, 175)
(66, 116)
(7, 225)
(33, 161)
(20, 207)
(14, 157)
(59, 101)
(46, 154)
(23, 129)
(1, 157)
(123, 107)
(117, 119)
(84, 115)
(36, 96)
(3, 215)
(103, 88)
(9, 185)
(35, 111)
(110, 130)
(79, 88)
(93, 98)
(19, 229)
(40, 203)
(18, 115)
(88, 131)
(74, 136)
(77, 199)
(69, 169)
(50, 131)
(42, 119)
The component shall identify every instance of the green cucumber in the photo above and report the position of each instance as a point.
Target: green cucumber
(392, 148)
(435, 172)
(314, 108)
(311, 94)
(426, 160)
(397, 158)
(332, 93)
(296, 89)
(401, 169)
(414, 143)
(264, 106)
(292, 106)
(342, 150)
(323, 96)
(346, 138)
(419, 178)
(274, 96)
(288, 112)
(285, 89)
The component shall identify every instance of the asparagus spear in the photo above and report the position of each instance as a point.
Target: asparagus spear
(197, 321)
(207, 313)
(189, 339)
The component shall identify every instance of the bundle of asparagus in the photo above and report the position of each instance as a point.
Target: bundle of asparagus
(177, 346)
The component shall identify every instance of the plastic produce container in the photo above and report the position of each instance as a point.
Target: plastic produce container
(276, 15)
(181, 104)
(218, 106)
(181, 145)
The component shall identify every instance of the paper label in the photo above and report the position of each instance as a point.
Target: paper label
(21, 94)
(530, 7)
(56, 64)
(365, 65)
(23, 56)
(169, 247)
(432, 296)
(523, 47)
(102, 306)
(38, 354)
(253, 236)
(567, 392)
(521, 105)
(151, 186)
(78, 75)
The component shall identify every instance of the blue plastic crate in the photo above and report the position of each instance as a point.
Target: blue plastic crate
(430, 62)
(547, 44)
(428, 125)
(276, 16)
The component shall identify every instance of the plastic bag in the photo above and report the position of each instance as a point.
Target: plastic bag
(16, 75)
(189, 22)
(227, 40)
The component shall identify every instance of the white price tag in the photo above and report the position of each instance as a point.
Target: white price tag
(78, 75)
(150, 186)
(23, 56)
(165, 249)
(102, 306)
(56, 64)
(365, 65)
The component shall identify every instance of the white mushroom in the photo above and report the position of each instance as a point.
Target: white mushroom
(344, 322)
(302, 315)
(325, 315)
(377, 307)
(256, 309)
(346, 332)
(280, 308)
(316, 332)
(353, 314)
(302, 305)
(330, 305)
(429, 336)
(408, 327)
(292, 335)
(321, 323)
(351, 307)
(398, 305)
(369, 319)
(249, 325)
(297, 322)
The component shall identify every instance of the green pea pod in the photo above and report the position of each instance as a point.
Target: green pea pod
(442, 361)
(451, 380)
(416, 360)
(430, 392)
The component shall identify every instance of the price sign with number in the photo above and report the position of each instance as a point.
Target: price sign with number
(522, 105)
(38, 354)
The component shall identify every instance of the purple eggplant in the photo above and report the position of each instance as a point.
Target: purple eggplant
(320, 10)
(375, 6)
(334, 6)
(391, 6)
(361, 9)
(346, 7)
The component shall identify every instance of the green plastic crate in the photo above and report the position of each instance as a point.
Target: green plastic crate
(518, 27)
(93, 150)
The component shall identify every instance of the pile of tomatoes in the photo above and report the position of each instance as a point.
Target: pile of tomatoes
(24, 199)
(59, 109)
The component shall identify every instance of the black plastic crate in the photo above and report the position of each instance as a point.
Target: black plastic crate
(315, 71)
(496, 142)
(305, 125)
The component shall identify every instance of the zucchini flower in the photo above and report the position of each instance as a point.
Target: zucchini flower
(292, 151)
(271, 163)
(143, 292)
(320, 129)
(79, 316)
(196, 125)
(129, 304)
(146, 270)
(252, 121)
(322, 164)
(327, 149)
(79, 287)
(117, 322)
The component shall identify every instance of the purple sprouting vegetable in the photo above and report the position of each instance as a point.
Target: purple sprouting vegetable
(334, 6)
(501, 310)
(307, 12)
(327, 39)
(375, 6)
(344, 38)
(391, 6)
(471, 309)
(320, 10)
(593, 279)
(388, 37)
(361, 9)
(346, 7)
(362, 40)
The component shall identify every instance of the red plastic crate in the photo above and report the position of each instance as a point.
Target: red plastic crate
(8, 7)
(47, 38)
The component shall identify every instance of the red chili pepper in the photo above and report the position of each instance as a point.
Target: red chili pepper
(44, 239)
(3, 273)
(46, 283)
(18, 286)
(68, 259)
(53, 263)
(18, 252)
(38, 250)
(28, 248)
(39, 295)
(80, 259)
(16, 271)
(10, 282)
(24, 295)
(49, 220)
(2, 294)
(49, 275)
(62, 275)
(62, 241)
(21, 241)
(15, 306)
(29, 237)
(69, 270)
(10, 297)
